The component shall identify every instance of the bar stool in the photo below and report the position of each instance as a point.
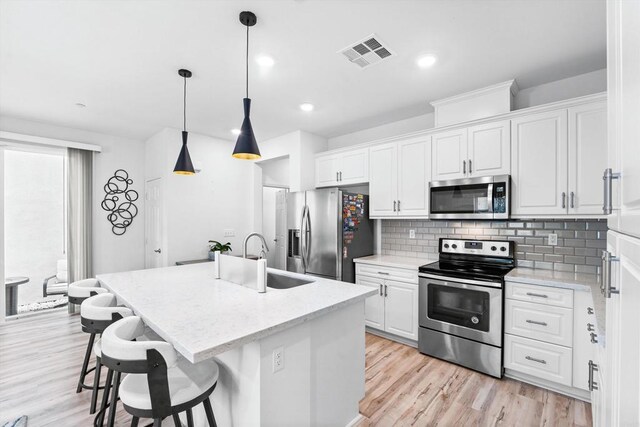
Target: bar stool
(96, 313)
(159, 383)
(78, 292)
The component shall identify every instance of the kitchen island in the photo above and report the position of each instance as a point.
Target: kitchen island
(317, 329)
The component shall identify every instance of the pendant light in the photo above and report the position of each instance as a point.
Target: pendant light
(246, 145)
(184, 165)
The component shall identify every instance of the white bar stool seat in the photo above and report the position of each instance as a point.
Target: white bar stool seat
(80, 290)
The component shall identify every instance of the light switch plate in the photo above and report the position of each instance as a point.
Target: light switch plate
(553, 239)
(412, 234)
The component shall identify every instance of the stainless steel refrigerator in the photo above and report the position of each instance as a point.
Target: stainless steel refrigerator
(326, 230)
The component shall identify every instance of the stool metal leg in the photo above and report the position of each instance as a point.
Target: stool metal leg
(105, 399)
(176, 420)
(85, 364)
(189, 418)
(157, 422)
(134, 421)
(114, 399)
(96, 386)
(209, 411)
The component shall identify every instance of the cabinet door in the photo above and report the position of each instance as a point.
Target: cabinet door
(383, 180)
(490, 149)
(612, 371)
(587, 157)
(327, 171)
(401, 309)
(583, 349)
(539, 164)
(449, 153)
(414, 174)
(354, 167)
(373, 305)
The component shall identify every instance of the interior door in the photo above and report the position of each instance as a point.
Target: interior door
(449, 155)
(414, 174)
(587, 157)
(539, 164)
(322, 232)
(281, 230)
(153, 239)
(374, 305)
(490, 149)
(383, 180)
(401, 309)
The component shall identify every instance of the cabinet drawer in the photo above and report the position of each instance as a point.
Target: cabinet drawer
(540, 294)
(541, 322)
(547, 361)
(390, 273)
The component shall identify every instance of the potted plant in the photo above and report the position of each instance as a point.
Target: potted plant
(215, 246)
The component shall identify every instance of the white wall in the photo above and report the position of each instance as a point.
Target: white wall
(571, 87)
(200, 207)
(275, 173)
(111, 253)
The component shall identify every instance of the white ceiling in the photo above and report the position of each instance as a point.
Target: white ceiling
(120, 58)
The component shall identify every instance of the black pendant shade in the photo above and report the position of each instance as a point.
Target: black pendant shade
(183, 164)
(246, 145)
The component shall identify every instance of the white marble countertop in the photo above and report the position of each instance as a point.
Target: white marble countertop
(202, 316)
(396, 261)
(562, 279)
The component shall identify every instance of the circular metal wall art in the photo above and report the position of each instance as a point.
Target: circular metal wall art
(118, 201)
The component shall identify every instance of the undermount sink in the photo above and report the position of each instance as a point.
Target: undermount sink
(279, 281)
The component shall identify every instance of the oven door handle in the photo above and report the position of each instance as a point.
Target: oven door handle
(485, 283)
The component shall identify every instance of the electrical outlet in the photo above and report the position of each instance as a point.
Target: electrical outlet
(278, 359)
(412, 234)
(229, 232)
(553, 239)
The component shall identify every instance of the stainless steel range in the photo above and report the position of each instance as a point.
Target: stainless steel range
(461, 303)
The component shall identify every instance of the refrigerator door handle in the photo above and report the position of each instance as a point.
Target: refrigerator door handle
(302, 237)
(305, 229)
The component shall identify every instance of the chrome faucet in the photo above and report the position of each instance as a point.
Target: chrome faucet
(264, 250)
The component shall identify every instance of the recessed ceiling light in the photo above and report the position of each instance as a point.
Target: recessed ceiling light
(265, 61)
(426, 61)
(80, 105)
(306, 107)
(235, 131)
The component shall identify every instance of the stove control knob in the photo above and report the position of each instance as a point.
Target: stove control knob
(446, 246)
(454, 246)
(502, 248)
(493, 248)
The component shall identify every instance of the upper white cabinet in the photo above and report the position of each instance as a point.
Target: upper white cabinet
(481, 150)
(343, 168)
(587, 157)
(399, 178)
(539, 152)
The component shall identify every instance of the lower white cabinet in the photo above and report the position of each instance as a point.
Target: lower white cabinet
(539, 359)
(545, 323)
(394, 309)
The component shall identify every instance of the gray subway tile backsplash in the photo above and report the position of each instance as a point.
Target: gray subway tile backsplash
(580, 242)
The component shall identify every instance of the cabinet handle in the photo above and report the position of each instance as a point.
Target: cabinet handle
(572, 197)
(380, 289)
(533, 359)
(590, 327)
(340, 176)
(394, 206)
(535, 322)
(337, 176)
(589, 310)
(594, 338)
(605, 285)
(607, 177)
(398, 205)
(383, 272)
(464, 167)
(385, 290)
(591, 383)
(564, 200)
(470, 166)
(531, 294)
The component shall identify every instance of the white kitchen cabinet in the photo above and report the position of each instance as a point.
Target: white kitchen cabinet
(584, 325)
(489, 149)
(540, 322)
(538, 359)
(374, 315)
(401, 309)
(399, 178)
(343, 168)
(539, 150)
(587, 157)
(449, 155)
(394, 309)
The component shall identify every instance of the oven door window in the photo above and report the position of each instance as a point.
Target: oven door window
(461, 199)
(462, 307)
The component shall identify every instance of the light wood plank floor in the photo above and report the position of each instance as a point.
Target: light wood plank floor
(407, 388)
(40, 359)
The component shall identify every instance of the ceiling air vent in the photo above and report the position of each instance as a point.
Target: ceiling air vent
(367, 51)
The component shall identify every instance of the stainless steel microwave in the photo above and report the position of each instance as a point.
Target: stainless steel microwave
(486, 197)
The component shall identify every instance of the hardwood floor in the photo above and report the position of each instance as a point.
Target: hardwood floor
(407, 388)
(40, 359)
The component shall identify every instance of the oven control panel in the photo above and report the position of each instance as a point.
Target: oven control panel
(495, 248)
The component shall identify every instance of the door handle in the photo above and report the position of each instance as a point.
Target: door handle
(380, 289)
(464, 167)
(158, 251)
(303, 237)
(571, 199)
(564, 200)
(607, 177)
(605, 286)
(470, 171)
(591, 383)
(394, 206)
(385, 291)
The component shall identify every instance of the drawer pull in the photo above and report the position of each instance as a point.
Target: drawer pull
(591, 327)
(589, 310)
(533, 359)
(592, 384)
(383, 272)
(535, 322)
(594, 338)
(531, 294)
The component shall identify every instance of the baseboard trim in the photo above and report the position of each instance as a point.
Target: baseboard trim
(392, 337)
(354, 422)
(576, 393)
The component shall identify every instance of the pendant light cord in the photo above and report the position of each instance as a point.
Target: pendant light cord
(247, 62)
(184, 110)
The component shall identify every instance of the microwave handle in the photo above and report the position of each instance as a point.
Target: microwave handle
(490, 196)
